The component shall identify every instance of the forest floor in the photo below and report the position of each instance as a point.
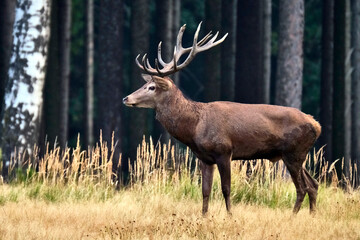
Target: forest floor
(35, 212)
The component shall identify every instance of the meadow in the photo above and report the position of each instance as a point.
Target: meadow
(74, 195)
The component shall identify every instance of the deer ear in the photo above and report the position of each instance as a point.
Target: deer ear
(146, 77)
(162, 83)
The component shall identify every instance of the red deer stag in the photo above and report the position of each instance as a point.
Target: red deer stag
(218, 132)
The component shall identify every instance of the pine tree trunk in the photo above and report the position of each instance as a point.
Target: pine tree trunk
(140, 27)
(110, 71)
(89, 85)
(355, 60)
(228, 50)
(290, 56)
(326, 108)
(265, 90)
(342, 88)
(164, 30)
(50, 120)
(64, 60)
(253, 52)
(23, 95)
(213, 57)
(7, 17)
(175, 29)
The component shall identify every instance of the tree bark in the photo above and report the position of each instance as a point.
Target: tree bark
(253, 52)
(164, 32)
(50, 120)
(265, 90)
(23, 95)
(64, 60)
(212, 57)
(228, 50)
(327, 70)
(89, 85)
(56, 90)
(355, 61)
(140, 27)
(342, 87)
(290, 56)
(176, 16)
(7, 17)
(110, 71)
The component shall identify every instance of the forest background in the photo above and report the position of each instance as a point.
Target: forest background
(303, 54)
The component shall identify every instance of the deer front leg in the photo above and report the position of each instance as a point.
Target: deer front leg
(207, 172)
(224, 166)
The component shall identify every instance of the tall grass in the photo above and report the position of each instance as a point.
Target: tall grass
(158, 169)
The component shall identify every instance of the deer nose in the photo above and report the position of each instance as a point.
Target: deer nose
(125, 99)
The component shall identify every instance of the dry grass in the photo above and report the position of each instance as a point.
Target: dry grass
(73, 196)
(134, 214)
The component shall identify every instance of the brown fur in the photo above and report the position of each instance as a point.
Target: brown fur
(218, 132)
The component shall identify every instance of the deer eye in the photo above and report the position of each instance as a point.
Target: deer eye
(152, 88)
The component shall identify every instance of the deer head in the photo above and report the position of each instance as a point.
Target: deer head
(157, 83)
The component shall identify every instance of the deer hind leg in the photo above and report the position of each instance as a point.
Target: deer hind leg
(207, 172)
(304, 183)
(311, 188)
(224, 166)
(295, 169)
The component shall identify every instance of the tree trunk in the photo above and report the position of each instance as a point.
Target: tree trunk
(50, 120)
(164, 27)
(253, 52)
(326, 108)
(355, 60)
(23, 94)
(175, 29)
(7, 17)
(228, 50)
(342, 88)
(265, 90)
(64, 60)
(290, 56)
(56, 90)
(164, 30)
(89, 85)
(140, 27)
(110, 71)
(212, 57)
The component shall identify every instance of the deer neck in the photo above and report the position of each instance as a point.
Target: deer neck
(178, 115)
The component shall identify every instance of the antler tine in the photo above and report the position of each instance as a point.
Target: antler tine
(202, 41)
(157, 67)
(146, 65)
(210, 43)
(179, 38)
(138, 63)
(196, 35)
(174, 61)
(220, 40)
(161, 61)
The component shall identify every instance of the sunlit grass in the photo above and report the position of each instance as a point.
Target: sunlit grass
(74, 194)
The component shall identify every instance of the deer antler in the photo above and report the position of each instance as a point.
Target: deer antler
(204, 44)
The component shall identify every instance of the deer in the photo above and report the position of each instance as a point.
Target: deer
(221, 131)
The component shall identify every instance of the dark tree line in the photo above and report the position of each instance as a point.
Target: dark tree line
(270, 56)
